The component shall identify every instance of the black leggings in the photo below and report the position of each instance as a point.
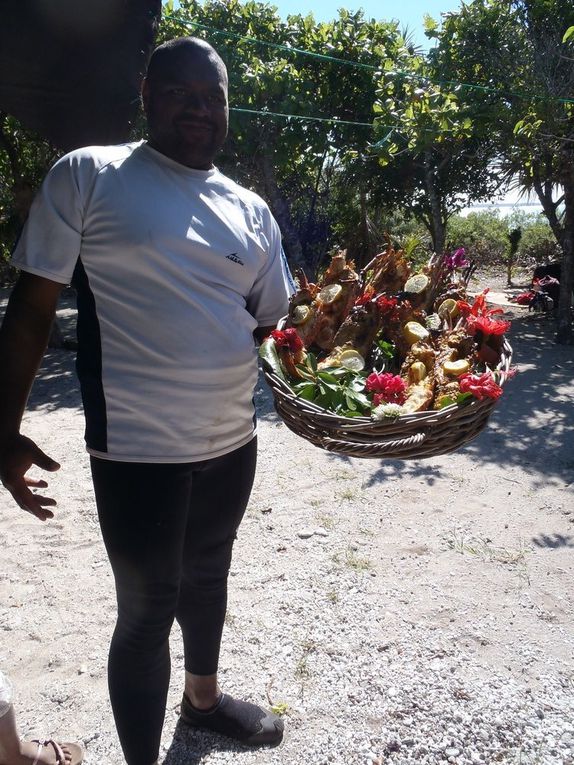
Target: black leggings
(169, 531)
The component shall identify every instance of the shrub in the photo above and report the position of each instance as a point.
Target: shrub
(485, 237)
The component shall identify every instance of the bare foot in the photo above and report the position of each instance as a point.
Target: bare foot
(49, 753)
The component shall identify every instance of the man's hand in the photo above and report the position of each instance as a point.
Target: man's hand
(23, 338)
(17, 456)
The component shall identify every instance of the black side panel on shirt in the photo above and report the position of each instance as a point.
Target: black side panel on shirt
(89, 362)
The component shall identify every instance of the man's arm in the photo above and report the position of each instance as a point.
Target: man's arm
(23, 339)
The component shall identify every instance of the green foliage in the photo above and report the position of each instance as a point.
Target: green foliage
(268, 354)
(537, 244)
(433, 161)
(24, 160)
(436, 144)
(485, 237)
(338, 389)
(303, 167)
(520, 52)
(482, 234)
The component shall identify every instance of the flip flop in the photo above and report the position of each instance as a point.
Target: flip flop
(76, 753)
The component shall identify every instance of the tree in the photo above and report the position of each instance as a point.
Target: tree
(434, 158)
(24, 160)
(520, 53)
(321, 72)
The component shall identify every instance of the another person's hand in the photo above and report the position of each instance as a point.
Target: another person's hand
(17, 455)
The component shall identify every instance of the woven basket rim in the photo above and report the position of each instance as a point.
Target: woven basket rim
(408, 436)
(280, 386)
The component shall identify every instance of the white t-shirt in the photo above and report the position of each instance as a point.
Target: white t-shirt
(174, 269)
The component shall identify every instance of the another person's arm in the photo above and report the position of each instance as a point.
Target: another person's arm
(23, 340)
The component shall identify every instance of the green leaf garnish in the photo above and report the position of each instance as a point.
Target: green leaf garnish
(268, 354)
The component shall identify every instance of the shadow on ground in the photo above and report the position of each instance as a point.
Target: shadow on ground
(56, 384)
(553, 541)
(192, 746)
(533, 425)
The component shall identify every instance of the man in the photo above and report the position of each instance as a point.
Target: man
(177, 269)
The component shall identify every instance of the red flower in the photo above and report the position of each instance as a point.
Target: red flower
(478, 316)
(478, 308)
(481, 386)
(388, 388)
(388, 308)
(366, 297)
(386, 305)
(363, 299)
(487, 325)
(287, 338)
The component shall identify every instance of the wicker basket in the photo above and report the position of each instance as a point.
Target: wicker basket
(410, 436)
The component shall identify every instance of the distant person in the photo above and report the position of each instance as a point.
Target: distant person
(13, 751)
(178, 271)
(546, 285)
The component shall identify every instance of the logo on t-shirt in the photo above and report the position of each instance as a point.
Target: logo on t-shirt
(235, 259)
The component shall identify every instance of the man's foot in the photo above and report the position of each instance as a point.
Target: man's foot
(241, 720)
(47, 753)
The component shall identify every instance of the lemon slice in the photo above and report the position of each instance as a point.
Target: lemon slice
(352, 360)
(456, 368)
(417, 371)
(330, 293)
(413, 332)
(300, 314)
(416, 284)
(447, 308)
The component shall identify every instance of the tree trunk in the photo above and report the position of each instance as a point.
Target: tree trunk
(364, 256)
(280, 209)
(565, 236)
(564, 319)
(438, 227)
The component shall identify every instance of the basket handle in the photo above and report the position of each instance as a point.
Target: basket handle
(374, 446)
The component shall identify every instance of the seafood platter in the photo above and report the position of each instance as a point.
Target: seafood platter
(388, 362)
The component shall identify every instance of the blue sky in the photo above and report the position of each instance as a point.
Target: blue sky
(409, 13)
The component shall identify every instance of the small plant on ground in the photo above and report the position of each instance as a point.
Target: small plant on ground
(484, 548)
(327, 521)
(353, 560)
(277, 707)
(280, 708)
(302, 670)
(348, 494)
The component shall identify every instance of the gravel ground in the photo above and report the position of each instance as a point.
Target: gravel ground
(394, 612)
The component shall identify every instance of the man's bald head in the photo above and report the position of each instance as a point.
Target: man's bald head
(185, 101)
(169, 56)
